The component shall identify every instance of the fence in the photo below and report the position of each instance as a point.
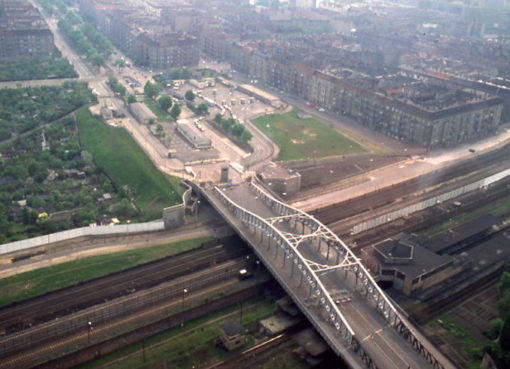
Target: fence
(372, 223)
(81, 232)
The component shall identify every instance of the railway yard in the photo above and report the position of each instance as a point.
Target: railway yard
(91, 319)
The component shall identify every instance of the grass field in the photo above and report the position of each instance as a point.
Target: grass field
(162, 115)
(43, 280)
(192, 346)
(470, 348)
(305, 138)
(122, 159)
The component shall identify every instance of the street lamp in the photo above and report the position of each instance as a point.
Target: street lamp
(184, 292)
(89, 328)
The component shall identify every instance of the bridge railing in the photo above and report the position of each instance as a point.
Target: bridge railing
(335, 317)
(384, 306)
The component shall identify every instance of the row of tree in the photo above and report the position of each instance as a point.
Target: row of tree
(81, 43)
(118, 88)
(230, 126)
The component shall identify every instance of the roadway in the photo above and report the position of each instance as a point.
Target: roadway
(377, 337)
(393, 174)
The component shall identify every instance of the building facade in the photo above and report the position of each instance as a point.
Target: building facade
(23, 32)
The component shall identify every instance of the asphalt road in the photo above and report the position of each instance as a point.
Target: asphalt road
(381, 341)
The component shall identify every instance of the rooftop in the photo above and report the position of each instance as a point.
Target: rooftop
(418, 262)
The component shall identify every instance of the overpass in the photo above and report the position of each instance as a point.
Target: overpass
(326, 280)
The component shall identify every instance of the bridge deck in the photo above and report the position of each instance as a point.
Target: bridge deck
(378, 338)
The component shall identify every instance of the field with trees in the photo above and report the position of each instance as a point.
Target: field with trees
(21, 69)
(58, 173)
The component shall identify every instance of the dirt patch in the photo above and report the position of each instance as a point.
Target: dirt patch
(317, 173)
(309, 133)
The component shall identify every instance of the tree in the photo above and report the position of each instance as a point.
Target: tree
(119, 63)
(203, 108)
(152, 89)
(218, 118)
(246, 136)
(238, 129)
(97, 59)
(189, 95)
(165, 102)
(160, 131)
(131, 99)
(175, 111)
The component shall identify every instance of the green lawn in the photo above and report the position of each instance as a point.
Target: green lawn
(43, 280)
(308, 138)
(162, 115)
(122, 159)
(471, 348)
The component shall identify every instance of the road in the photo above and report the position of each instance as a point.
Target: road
(378, 338)
(403, 171)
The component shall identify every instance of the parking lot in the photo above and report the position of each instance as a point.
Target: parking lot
(222, 149)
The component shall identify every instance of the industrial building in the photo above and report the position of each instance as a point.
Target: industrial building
(419, 266)
(196, 138)
(142, 113)
(23, 32)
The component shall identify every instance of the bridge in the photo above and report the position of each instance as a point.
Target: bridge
(326, 280)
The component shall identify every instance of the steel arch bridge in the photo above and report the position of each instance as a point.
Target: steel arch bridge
(290, 230)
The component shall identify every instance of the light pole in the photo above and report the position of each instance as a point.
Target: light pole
(184, 292)
(89, 328)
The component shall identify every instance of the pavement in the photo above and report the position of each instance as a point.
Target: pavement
(378, 338)
(402, 171)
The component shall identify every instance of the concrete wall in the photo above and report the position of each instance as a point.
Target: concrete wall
(429, 202)
(175, 216)
(81, 232)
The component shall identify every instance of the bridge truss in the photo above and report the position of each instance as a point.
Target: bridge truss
(289, 230)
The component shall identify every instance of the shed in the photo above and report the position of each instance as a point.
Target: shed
(232, 335)
(142, 113)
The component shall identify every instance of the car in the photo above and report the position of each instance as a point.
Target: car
(310, 104)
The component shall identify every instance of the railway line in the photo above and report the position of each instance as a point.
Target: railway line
(105, 312)
(258, 354)
(343, 216)
(30, 313)
(32, 346)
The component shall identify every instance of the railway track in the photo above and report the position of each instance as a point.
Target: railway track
(258, 354)
(114, 317)
(464, 171)
(29, 313)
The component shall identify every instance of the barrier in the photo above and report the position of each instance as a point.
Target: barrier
(81, 232)
(422, 205)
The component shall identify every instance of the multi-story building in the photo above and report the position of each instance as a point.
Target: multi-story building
(149, 38)
(163, 51)
(23, 32)
(407, 106)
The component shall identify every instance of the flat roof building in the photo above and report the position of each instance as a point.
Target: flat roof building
(142, 113)
(193, 135)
